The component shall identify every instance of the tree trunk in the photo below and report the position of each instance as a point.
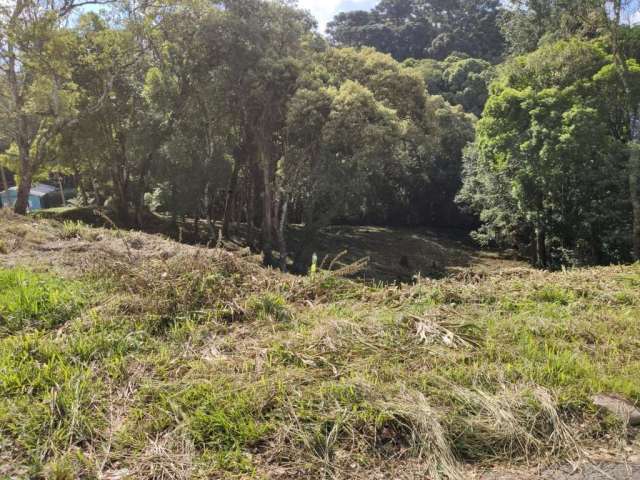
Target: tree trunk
(22, 200)
(96, 193)
(139, 209)
(24, 186)
(140, 191)
(61, 186)
(267, 211)
(282, 240)
(250, 212)
(634, 193)
(196, 227)
(78, 180)
(83, 193)
(228, 204)
(5, 185)
(22, 128)
(541, 246)
(122, 198)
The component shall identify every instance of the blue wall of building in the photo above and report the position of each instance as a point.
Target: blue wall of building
(9, 200)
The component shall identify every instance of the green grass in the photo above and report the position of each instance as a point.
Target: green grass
(30, 300)
(207, 367)
(269, 306)
(48, 396)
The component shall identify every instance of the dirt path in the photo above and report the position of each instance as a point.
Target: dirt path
(587, 472)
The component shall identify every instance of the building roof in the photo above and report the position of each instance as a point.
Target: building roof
(37, 189)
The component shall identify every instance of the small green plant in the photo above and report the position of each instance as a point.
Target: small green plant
(269, 306)
(4, 248)
(48, 401)
(553, 294)
(71, 229)
(224, 420)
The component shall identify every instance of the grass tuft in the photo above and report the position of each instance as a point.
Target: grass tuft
(269, 306)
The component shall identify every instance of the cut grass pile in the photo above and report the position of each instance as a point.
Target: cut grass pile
(204, 365)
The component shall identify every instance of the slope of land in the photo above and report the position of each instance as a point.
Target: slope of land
(394, 254)
(126, 355)
(400, 254)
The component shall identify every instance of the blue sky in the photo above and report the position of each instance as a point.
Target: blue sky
(325, 10)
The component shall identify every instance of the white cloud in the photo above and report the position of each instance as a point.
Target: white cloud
(635, 18)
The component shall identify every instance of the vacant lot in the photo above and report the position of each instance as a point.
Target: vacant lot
(125, 355)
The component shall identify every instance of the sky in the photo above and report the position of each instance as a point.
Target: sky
(325, 10)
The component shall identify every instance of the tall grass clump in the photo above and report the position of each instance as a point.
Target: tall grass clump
(34, 300)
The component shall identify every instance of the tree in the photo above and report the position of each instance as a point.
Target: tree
(527, 23)
(366, 143)
(460, 81)
(41, 98)
(548, 164)
(424, 28)
(629, 74)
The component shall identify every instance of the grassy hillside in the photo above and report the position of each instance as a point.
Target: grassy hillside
(124, 355)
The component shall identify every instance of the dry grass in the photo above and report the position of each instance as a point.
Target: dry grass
(197, 363)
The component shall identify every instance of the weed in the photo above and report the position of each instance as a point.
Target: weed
(223, 419)
(71, 230)
(553, 294)
(269, 306)
(47, 402)
(77, 230)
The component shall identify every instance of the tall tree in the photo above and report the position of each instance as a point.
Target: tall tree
(41, 99)
(424, 28)
(548, 166)
(527, 23)
(628, 72)
(460, 81)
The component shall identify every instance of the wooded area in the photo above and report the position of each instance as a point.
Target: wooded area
(521, 121)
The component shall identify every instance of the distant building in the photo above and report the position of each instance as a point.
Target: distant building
(41, 196)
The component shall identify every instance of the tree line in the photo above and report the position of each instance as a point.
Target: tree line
(520, 121)
(554, 168)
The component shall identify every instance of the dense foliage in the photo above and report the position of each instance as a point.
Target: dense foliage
(549, 160)
(460, 80)
(233, 111)
(239, 113)
(424, 28)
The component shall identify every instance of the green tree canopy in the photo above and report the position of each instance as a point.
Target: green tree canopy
(424, 28)
(548, 166)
